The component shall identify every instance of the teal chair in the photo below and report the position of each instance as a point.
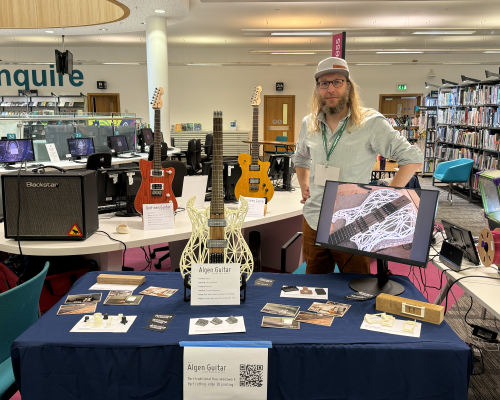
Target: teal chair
(276, 151)
(455, 171)
(18, 311)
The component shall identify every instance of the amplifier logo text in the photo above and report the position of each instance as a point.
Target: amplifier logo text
(41, 185)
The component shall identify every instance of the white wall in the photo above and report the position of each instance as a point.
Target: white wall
(196, 91)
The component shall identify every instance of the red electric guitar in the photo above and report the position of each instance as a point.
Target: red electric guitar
(156, 186)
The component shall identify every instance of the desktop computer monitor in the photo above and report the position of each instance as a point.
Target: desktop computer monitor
(16, 150)
(145, 136)
(230, 177)
(385, 223)
(79, 147)
(118, 144)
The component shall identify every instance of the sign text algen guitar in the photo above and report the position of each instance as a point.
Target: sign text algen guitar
(156, 186)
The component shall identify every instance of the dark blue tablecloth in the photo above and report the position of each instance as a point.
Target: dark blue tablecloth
(316, 362)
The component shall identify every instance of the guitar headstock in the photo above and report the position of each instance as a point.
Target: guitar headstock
(255, 101)
(157, 101)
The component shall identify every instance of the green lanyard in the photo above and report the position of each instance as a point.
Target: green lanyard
(339, 134)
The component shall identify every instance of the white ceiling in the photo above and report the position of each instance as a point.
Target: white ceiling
(370, 25)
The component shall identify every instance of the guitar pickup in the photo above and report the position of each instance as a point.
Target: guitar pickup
(254, 187)
(254, 180)
(254, 168)
(156, 193)
(157, 186)
(156, 172)
(216, 244)
(213, 222)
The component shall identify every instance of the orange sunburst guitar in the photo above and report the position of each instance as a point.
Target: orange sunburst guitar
(156, 186)
(254, 181)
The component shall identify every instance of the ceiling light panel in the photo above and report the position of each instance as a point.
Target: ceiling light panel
(443, 32)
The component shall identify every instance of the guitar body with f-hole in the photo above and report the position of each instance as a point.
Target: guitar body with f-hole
(156, 185)
(254, 180)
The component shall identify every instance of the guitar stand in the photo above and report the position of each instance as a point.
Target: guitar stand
(242, 287)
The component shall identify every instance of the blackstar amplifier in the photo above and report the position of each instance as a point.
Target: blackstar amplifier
(51, 205)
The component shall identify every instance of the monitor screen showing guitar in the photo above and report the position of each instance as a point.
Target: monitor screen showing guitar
(393, 224)
(118, 143)
(16, 150)
(81, 147)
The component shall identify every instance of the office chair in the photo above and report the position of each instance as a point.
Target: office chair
(209, 141)
(163, 153)
(18, 311)
(193, 166)
(455, 171)
(177, 184)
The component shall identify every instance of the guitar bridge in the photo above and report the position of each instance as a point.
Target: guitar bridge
(254, 187)
(254, 180)
(213, 222)
(216, 244)
(254, 168)
(156, 172)
(157, 186)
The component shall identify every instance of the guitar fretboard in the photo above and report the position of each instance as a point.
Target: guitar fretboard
(255, 136)
(157, 141)
(362, 224)
(217, 203)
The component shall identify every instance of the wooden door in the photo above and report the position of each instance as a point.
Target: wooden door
(104, 102)
(279, 118)
(392, 105)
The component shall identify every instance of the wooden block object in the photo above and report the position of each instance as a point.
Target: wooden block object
(410, 308)
(121, 279)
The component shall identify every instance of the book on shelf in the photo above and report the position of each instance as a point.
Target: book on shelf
(189, 126)
(71, 104)
(197, 127)
(178, 127)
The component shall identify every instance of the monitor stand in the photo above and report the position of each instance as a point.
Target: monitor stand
(130, 210)
(378, 285)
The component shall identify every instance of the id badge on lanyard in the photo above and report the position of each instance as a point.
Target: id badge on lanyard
(323, 173)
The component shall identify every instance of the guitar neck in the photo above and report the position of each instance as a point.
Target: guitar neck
(217, 203)
(255, 136)
(362, 224)
(157, 141)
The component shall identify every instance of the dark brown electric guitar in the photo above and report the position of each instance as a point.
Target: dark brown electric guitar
(156, 186)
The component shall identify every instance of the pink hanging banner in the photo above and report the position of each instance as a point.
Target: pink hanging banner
(338, 45)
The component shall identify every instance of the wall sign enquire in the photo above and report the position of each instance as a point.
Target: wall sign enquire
(36, 77)
(280, 86)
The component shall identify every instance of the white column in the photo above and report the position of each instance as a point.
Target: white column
(157, 59)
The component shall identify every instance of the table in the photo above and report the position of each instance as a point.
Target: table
(485, 291)
(66, 164)
(391, 167)
(274, 143)
(315, 362)
(284, 214)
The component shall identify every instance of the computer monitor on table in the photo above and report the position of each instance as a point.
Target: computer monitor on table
(118, 144)
(386, 223)
(145, 137)
(16, 150)
(79, 147)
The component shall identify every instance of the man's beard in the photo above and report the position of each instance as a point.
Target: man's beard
(338, 108)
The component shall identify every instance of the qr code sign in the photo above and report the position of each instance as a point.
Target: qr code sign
(251, 375)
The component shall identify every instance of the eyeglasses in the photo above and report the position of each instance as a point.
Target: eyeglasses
(326, 84)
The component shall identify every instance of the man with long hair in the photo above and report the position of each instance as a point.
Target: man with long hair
(340, 140)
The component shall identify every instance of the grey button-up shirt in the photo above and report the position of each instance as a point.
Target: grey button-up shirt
(355, 154)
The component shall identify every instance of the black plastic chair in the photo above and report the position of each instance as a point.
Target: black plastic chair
(192, 164)
(209, 142)
(198, 154)
(177, 183)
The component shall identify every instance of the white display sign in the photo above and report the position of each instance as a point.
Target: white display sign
(215, 284)
(255, 207)
(51, 149)
(215, 373)
(195, 185)
(158, 216)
